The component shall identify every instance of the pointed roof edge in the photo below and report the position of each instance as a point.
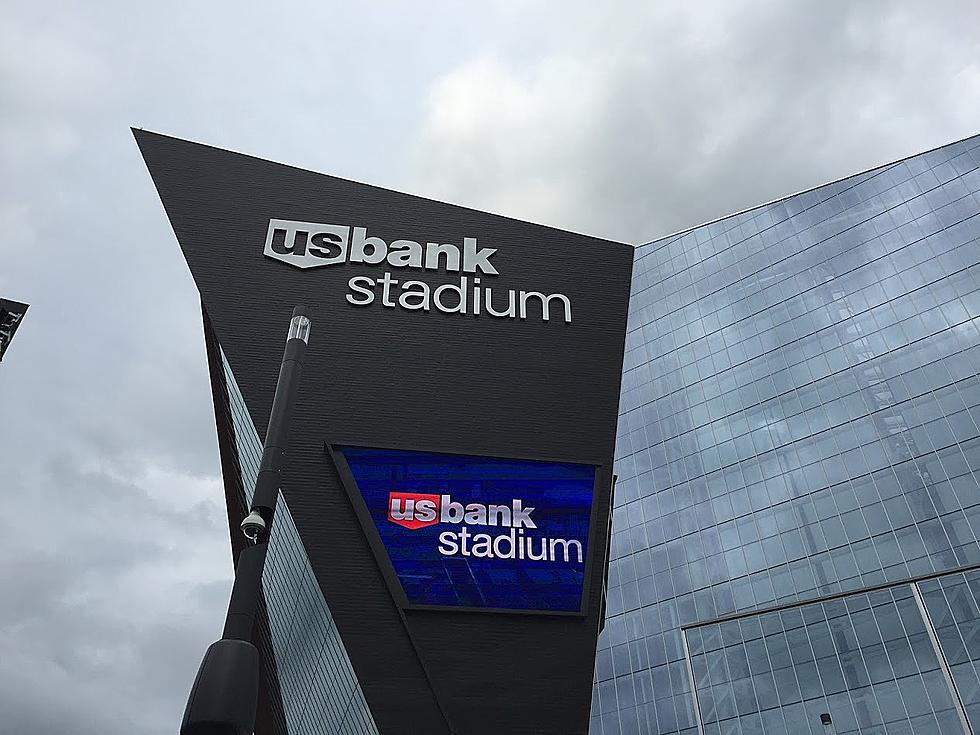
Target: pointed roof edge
(685, 230)
(11, 305)
(139, 133)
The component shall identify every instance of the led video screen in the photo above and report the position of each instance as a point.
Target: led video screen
(467, 531)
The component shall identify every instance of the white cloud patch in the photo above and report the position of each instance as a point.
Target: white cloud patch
(635, 124)
(620, 119)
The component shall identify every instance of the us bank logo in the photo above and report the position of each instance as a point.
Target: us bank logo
(313, 245)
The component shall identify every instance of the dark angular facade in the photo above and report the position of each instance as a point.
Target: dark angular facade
(796, 523)
(11, 315)
(340, 652)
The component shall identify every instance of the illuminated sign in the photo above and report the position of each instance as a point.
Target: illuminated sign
(476, 532)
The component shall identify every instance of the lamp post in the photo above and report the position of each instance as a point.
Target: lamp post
(224, 697)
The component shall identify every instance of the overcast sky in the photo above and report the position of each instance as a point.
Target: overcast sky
(623, 120)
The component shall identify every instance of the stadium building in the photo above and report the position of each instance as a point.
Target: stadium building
(795, 523)
(795, 537)
(437, 562)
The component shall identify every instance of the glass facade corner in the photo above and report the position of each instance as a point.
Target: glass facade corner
(951, 604)
(319, 691)
(797, 515)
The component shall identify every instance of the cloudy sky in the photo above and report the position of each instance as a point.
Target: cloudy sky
(624, 120)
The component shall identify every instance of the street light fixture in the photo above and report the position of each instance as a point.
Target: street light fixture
(224, 697)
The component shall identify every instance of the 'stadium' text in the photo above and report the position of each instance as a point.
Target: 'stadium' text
(512, 545)
(462, 298)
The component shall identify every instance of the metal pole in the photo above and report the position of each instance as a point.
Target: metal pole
(224, 697)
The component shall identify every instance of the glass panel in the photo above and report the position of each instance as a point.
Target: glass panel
(319, 690)
(852, 659)
(952, 604)
(799, 417)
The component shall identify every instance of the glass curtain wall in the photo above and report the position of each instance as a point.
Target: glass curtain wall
(799, 419)
(320, 692)
(868, 661)
(951, 603)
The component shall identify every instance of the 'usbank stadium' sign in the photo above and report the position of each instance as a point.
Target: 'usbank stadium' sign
(310, 245)
(412, 553)
(478, 532)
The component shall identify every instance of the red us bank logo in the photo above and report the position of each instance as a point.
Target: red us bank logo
(417, 510)
(413, 510)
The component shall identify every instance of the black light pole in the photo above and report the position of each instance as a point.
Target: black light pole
(224, 697)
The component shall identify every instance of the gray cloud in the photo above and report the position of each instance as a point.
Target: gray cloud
(622, 122)
(103, 615)
(635, 125)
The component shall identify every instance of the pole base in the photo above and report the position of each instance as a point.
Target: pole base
(225, 694)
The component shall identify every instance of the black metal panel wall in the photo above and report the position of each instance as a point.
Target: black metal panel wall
(11, 314)
(380, 376)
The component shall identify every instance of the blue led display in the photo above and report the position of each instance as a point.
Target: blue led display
(481, 532)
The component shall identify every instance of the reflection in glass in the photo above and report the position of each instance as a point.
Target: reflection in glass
(799, 417)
